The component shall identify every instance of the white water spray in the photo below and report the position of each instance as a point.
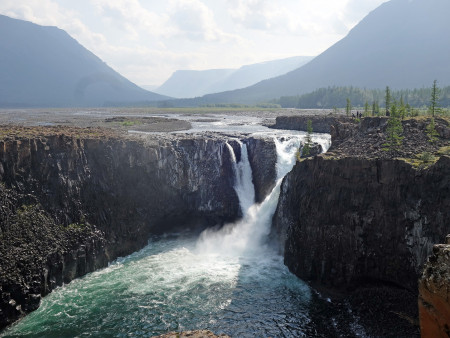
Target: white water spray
(248, 234)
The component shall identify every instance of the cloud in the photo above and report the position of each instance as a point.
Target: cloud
(49, 13)
(135, 19)
(195, 21)
(261, 15)
(291, 17)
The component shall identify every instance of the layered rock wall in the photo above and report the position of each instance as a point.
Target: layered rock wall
(348, 220)
(320, 124)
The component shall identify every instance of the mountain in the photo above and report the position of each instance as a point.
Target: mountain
(149, 87)
(192, 83)
(43, 66)
(402, 44)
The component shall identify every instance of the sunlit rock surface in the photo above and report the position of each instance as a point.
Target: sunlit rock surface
(434, 293)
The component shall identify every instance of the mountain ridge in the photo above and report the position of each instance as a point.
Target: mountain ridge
(194, 83)
(381, 50)
(44, 66)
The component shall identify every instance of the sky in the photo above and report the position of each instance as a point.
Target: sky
(147, 40)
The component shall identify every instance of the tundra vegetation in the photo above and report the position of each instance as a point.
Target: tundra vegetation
(416, 101)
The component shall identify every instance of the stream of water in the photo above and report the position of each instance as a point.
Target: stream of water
(228, 280)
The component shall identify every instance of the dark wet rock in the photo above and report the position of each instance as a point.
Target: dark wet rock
(262, 157)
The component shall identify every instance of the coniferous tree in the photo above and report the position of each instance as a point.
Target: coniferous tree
(408, 109)
(434, 99)
(394, 130)
(394, 109)
(431, 131)
(348, 107)
(387, 99)
(308, 140)
(366, 109)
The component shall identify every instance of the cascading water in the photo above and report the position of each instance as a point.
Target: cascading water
(227, 281)
(243, 178)
(248, 234)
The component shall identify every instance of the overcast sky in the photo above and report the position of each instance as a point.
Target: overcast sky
(147, 40)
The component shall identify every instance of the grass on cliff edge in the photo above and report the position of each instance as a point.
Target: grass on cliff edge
(427, 159)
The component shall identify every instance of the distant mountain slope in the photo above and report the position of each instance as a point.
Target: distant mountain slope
(192, 83)
(402, 43)
(44, 66)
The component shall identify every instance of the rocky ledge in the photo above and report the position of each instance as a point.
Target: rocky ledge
(320, 124)
(434, 293)
(367, 138)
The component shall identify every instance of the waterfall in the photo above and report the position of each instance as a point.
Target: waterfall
(248, 234)
(243, 178)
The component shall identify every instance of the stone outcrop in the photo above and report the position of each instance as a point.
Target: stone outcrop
(314, 150)
(75, 199)
(263, 159)
(368, 138)
(320, 124)
(434, 293)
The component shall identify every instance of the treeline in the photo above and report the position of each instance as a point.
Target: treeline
(331, 97)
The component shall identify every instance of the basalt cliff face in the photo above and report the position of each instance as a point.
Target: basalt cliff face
(363, 220)
(344, 218)
(73, 200)
(354, 219)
